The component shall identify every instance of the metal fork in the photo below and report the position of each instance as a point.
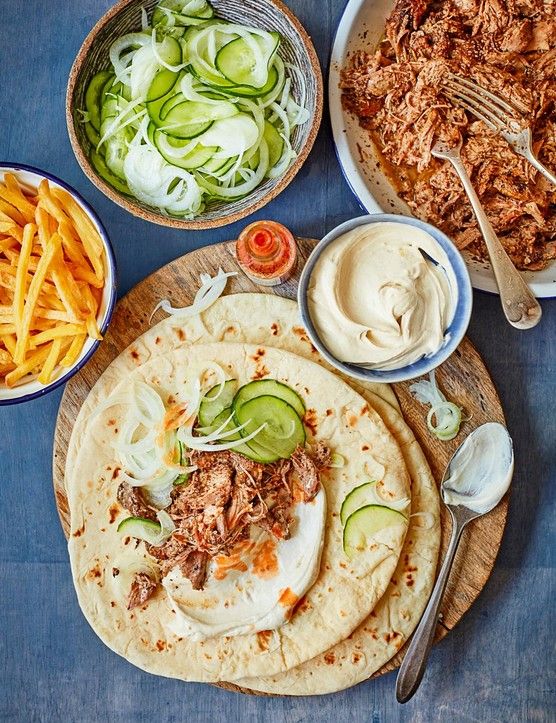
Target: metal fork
(520, 307)
(498, 115)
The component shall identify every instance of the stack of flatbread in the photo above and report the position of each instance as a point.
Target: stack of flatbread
(358, 613)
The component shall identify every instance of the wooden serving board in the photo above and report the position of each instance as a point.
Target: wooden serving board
(463, 377)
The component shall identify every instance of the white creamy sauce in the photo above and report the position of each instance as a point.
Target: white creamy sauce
(376, 300)
(248, 600)
(481, 470)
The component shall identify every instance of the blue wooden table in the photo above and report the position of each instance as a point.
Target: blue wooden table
(498, 665)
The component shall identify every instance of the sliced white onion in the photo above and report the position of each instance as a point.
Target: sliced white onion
(448, 414)
(232, 135)
(144, 67)
(211, 289)
(149, 176)
(148, 403)
(242, 188)
(118, 122)
(204, 447)
(144, 19)
(219, 433)
(373, 497)
(158, 495)
(220, 379)
(133, 40)
(190, 93)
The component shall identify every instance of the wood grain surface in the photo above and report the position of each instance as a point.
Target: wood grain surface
(463, 377)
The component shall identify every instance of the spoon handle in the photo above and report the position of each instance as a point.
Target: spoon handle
(415, 660)
(519, 305)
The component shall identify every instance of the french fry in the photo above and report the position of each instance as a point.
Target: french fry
(51, 281)
(21, 275)
(12, 212)
(85, 274)
(68, 291)
(42, 219)
(49, 204)
(74, 350)
(32, 296)
(57, 332)
(9, 342)
(51, 360)
(35, 359)
(11, 193)
(87, 232)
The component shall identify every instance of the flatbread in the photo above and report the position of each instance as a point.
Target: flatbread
(396, 615)
(344, 591)
(250, 318)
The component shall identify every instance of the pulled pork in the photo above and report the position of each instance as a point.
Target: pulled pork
(507, 46)
(225, 496)
(142, 588)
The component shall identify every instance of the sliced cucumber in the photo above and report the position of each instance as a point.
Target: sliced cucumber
(99, 164)
(275, 144)
(238, 62)
(363, 524)
(210, 407)
(184, 477)
(268, 387)
(188, 112)
(115, 151)
(360, 496)
(194, 159)
(141, 528)
(252, 450)
(93, 96)
(91, 134)
(218, 165)
(170, 51)
(284, 429)
(162, 83)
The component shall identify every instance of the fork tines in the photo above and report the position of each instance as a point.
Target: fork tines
(490, 108)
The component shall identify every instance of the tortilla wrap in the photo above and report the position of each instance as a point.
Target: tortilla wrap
(345, 591)
(396, 615)
(249, 318)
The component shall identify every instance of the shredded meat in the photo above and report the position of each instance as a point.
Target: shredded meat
(225, 496)
(142, 588)
(132, 500)
(507, 46)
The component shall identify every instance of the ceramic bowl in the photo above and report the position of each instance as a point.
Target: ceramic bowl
(29, 388)
(296, 48)
(361, 27)
(454, 333)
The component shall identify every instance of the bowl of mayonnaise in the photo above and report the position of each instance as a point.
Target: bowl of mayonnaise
(385, 298)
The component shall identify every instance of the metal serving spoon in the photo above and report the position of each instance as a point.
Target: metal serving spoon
(519, 305)
(476, 479)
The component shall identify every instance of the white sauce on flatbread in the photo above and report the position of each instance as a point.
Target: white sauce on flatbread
(255, 588)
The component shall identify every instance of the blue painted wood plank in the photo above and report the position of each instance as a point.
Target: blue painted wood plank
(498, 665)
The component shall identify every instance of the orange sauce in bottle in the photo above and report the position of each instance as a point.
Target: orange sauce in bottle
(267, 252)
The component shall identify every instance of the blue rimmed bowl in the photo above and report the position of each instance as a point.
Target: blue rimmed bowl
(29, 388)
(454, 333)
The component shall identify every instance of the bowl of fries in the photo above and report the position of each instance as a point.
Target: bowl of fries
(57, 282)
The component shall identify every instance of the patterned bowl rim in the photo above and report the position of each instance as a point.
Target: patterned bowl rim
(112, 279)
(199, 223)
(453, 334)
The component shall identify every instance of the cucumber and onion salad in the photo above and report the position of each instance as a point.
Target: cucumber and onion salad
(193, 110)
